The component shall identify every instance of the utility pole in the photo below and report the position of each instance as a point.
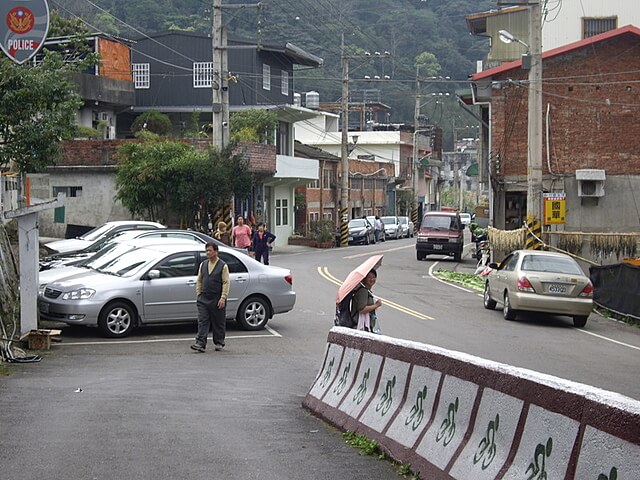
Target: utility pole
(534, 157)
(414, 169)
(220, 110)
(344, 196)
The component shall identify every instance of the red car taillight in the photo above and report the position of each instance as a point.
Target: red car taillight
(524, 285)
(288, 279)
(587, 291)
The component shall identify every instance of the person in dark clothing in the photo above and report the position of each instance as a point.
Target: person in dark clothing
(212, 290)
(262, 240)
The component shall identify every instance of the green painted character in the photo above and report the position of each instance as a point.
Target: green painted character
(416, 414)
(613, 475)
(343, 380)
(386, 399)
(448, 425)
(362, 389)
(487, 446)
(538, 466)
(327, 373)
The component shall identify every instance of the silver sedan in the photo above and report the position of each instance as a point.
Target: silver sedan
(155, 284)
(537, 281)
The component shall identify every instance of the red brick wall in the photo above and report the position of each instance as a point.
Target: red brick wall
(262, 158)
(593, 117)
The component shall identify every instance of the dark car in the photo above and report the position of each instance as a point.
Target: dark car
(361, 231)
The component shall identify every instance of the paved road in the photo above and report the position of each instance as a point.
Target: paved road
(151, 408)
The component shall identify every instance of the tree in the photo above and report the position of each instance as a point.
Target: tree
(145, 174)
(160, 178)
(253, 126)
(38, 109)
(152, 121)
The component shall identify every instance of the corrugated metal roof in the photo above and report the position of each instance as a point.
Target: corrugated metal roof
(505, 67)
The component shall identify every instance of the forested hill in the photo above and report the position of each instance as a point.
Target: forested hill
(404, 28)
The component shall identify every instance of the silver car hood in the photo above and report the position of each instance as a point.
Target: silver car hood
(90, 279)
(55, 274)
(68, 245)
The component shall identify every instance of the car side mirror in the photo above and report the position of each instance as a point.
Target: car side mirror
(494, 266)
(152, 274)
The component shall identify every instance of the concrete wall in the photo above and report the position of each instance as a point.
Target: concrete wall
(455, 416)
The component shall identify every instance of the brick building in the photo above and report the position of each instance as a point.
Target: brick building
(591, 103)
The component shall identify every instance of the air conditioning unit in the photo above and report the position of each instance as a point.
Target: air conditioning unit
(590, 182)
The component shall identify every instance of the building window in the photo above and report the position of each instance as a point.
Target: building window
(327, 178)
(314, 216)
(202, 74)
(596, 26)
(327, 216)
(355, 183)
(368, 183)
(282, 212)
(68, 191)
(284, 86)
(266, 76)
(314, 184)
(140, 73)
(282, 140)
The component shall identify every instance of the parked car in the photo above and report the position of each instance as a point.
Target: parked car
(465, 218)
(441, 233)
(372, 220)
(360, 231)
(538, 281)
(155, 284)
(104, 230)
(406, 227)
(79, 256)
(391, 226)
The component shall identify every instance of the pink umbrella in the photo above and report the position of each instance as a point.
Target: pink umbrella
(357, 275)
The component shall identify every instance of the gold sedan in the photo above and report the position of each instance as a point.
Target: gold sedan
(537, 281)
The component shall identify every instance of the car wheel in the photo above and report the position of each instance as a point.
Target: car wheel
(508, 312)
(580, 321)
(117, 319)
(420, 255)
(489, 303)
(253, 314)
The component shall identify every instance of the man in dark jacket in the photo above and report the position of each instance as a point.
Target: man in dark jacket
(212, 290)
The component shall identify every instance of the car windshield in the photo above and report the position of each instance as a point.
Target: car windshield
(403, 220)
(128, 262)
(440, 222)
(106, 254)
(544, 263)
(357, 223)
(389, 220)
(96, 233)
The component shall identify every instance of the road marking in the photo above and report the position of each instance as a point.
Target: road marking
(324, 273)
(608, 339)
(447, 283)
(274, 334)
(368, 254)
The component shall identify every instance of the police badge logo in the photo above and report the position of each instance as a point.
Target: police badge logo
(23, 27)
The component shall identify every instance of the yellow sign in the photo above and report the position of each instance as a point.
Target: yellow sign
(555, 208)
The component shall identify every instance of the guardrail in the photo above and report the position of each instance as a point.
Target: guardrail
(455, 416)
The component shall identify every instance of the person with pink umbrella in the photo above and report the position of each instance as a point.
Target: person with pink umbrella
(360, 281)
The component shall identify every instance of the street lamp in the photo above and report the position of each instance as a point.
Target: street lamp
(507, 37)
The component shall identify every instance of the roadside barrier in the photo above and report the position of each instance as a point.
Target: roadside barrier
(455, 416)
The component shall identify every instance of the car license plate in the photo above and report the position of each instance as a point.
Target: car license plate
(557, 288)
(437, 247)
(44, 307)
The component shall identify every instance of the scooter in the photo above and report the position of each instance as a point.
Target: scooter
(483, 254)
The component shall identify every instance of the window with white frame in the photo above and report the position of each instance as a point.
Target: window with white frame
(314, 184)
(284, 86)
(141, 75)
(68, 191)
(266, 76)
(326, 178)
(202, 74)
(313, 216)
(327, 216)
(282, 212)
